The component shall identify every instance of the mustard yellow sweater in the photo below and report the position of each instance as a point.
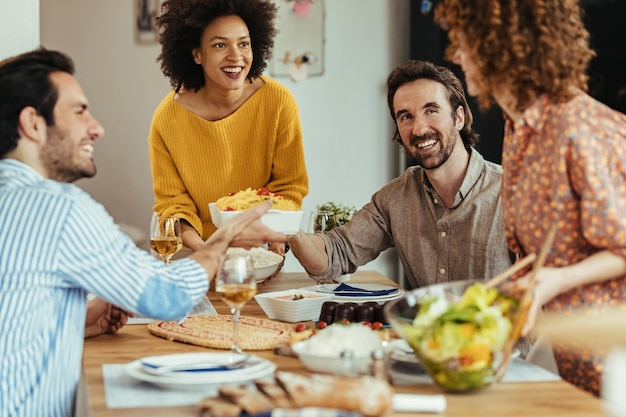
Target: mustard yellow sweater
(194, 161)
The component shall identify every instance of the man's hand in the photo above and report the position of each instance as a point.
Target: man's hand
(103, 317)
(244, 230)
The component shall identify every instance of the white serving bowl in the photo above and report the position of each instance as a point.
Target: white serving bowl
(279, 305)
(265, 262)
(324, 354)
(283, 221)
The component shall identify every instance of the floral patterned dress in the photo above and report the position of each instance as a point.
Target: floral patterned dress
(565, 163)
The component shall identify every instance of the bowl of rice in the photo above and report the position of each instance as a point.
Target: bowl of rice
(284, 216)
(322, 351)
(265, 262)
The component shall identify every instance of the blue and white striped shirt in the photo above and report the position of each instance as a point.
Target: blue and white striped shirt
(57, 244)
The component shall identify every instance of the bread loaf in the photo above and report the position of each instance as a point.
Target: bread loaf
(366, 395)
(218, 407)
(277, 395)
(247, 397)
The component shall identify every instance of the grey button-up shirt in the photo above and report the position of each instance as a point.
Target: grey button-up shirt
(435, 243)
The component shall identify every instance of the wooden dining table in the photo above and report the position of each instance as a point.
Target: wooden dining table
(534, 399)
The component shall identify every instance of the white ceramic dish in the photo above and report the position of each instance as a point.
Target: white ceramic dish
(201, 380)
(193, 363)
(261, 273)
(284, 221)
(329, 363)
(279, 305)
(264, 272)
(328, 289)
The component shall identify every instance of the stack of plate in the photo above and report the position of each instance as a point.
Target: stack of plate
(199, 370)
(369, 292)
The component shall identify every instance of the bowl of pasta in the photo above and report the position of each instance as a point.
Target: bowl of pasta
(284, 217)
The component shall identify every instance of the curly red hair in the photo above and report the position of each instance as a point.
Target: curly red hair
(533, 47)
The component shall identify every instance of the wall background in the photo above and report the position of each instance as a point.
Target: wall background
(19, 26)
(347, 129)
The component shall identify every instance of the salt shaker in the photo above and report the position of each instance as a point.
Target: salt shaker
(378, 366)
(347, 363)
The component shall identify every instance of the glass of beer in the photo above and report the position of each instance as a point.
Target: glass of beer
(236, 284)
(165, 237)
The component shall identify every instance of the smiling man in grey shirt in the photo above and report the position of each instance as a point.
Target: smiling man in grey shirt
(443, 216)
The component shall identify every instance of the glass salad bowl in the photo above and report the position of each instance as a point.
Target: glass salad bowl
(460, 331)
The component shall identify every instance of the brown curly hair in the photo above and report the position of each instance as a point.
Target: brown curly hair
(534, 47)
(182, 22)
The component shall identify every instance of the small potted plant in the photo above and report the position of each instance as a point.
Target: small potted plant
(341, 214)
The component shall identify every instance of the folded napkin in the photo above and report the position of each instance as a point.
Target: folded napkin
(350, 291)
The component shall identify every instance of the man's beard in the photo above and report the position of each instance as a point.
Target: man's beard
(57, 157)
(437, 160)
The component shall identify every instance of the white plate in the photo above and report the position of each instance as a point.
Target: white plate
(201, 380)
(152, 364)
(401, 351)
(328, 288)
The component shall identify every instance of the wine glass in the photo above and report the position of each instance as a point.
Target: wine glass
(321, 221)
(236, 284)
(165, 236)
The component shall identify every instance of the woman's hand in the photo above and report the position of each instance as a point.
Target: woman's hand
(549, 283)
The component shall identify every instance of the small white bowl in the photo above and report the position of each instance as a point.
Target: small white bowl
(322, 351)
(264, 272)
(261, 256)
(280, 305)
(283, 221)
(330, 363)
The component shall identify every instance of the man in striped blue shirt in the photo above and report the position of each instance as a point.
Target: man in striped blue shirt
(58, 243)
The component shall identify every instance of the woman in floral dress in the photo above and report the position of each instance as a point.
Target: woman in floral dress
(564, 154)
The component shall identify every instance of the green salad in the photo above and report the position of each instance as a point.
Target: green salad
(461, 344)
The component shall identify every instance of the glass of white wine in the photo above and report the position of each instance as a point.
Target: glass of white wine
(165, 237)
(236, 284)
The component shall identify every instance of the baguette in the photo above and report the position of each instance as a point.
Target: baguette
(371, 397)
(274, 392)
(367, 395)
(217, 407)
(247, 397)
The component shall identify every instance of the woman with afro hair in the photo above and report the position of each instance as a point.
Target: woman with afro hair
(224, 127)
(563, 159)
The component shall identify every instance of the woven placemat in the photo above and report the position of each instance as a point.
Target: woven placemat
(216, 331)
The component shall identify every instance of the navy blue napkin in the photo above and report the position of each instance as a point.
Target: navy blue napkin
(350, 291)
